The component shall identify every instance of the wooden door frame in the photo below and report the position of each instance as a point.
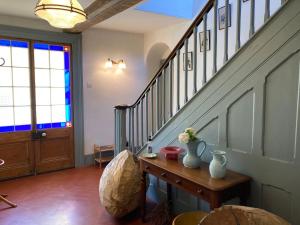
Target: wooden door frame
(75, 40)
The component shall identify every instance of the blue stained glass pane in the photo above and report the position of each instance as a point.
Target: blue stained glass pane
(68, 95)
(58, 125)
(43, 126)
(20, 44)
(7, 129)
(56, 48)
(68, 112)
(4, 42)
(67, 78)
(23, 127)
(41, 46)
(67, 60)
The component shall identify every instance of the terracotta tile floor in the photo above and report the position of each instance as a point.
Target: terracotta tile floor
(68, 197)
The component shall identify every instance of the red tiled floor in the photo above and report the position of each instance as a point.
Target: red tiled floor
(68, 197)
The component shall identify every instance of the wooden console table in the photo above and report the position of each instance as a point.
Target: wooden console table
(196, 181)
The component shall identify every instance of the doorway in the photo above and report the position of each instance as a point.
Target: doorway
(36, 122)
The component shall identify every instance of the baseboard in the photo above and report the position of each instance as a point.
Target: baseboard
(89, 160)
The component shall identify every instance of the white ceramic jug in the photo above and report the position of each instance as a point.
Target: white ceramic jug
(217, 166)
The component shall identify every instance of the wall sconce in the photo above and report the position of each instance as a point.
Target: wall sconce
(109, 63)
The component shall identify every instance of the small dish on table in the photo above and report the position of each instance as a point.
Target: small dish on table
(150, 155)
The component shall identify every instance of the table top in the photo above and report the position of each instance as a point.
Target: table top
(199, 176)
(1, 162)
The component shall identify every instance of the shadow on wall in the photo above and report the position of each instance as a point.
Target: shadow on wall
(155, 57)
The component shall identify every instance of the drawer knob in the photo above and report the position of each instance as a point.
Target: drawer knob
(147, 167)
(163, 174)
(199, 191)
(178, 181)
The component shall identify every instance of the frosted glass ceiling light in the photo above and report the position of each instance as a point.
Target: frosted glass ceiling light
(63, 14)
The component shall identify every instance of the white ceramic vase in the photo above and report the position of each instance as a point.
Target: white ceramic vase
(217, 166)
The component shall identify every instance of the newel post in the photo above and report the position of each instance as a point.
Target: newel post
(120, 128)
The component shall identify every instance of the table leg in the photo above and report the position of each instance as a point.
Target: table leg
(215, 202)
(169, 197)
(245, 192)
(143, 196)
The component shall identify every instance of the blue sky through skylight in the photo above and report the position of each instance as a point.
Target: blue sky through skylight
(186, 9)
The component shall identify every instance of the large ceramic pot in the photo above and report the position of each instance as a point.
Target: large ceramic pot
(192, 159)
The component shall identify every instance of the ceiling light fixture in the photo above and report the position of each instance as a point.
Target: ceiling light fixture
(63, 14)
(109, 63)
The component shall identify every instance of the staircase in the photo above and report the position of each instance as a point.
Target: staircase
(241, 94)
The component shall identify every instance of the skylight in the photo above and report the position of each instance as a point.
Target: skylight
(186, 9)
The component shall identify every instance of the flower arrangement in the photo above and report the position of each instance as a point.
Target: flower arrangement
(187, 136)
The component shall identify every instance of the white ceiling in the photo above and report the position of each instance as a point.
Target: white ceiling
(136, 21)
(130, 20)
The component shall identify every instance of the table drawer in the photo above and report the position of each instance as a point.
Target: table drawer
(177, 181)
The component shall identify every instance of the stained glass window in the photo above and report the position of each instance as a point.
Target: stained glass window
(15, 110)
(52, 73)
(52, 85)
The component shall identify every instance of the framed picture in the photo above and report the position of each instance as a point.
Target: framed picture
(201, 40)
(189, 61)
(222, 17)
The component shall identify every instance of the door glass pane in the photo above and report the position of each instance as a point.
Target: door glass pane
(20, 54)
(43, 114)
(56, 98)
(21, 96)
(21, 77)
(5, 76)
(41, 55)
(42, 96)
(6, 117)
(57, 57)
(42, 78)
(22, 115)
(58, 113)
(57, 78)
(6, 96)
(5, 52)
(15, 111)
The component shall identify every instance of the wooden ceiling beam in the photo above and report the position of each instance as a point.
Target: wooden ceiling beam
(95, 6)
(101, 10)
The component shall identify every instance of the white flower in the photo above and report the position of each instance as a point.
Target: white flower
(184, 138)
(191, 130)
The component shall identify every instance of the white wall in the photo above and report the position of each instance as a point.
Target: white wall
(169, 35)
(105, 88)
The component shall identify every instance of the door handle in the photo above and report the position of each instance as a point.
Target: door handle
(38, 134)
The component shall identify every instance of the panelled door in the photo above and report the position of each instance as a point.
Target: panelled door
(36, 132)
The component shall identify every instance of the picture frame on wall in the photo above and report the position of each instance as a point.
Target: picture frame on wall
(222, 17)
(201, 40)
(189, 60)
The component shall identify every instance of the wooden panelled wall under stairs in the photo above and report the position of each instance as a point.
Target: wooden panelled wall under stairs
(251, 109)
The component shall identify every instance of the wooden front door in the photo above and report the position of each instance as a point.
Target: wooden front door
(36, 133)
